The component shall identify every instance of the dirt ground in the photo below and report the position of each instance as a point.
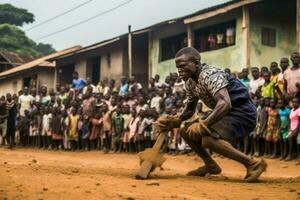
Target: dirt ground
(36, 174)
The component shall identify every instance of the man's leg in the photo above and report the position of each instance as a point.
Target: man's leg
(254, 168)
(210, 165)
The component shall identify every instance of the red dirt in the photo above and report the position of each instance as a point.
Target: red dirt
(36, 174)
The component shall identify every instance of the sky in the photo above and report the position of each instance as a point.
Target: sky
(137, 13)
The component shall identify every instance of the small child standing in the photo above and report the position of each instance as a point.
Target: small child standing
(105, 137)
(73, 129)
(96, 128)
(46, 128)
(117, 130)
(284, 114)
(272, 129)
(127, 118)
(65, 130)
(55, 126)
(24, 126)
(294, 127)
(85, 132)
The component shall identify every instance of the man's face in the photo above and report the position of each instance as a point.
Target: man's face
(284, 63)
(75, 76)
(255, 73)
(273, 68)
(295, 59)
(186, 68)
(26, 90)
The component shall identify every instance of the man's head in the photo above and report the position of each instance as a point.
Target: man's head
(295, 58)
(75, 75)
(8, 97)
(245, 72)
(267, 76)
(255, 72)
(284, 63)
(25, 90)
(88, 81)
(227, 70)
(273, 67)
(187, 63)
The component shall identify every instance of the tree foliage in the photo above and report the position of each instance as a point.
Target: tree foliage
(14, 39)
(16, 16)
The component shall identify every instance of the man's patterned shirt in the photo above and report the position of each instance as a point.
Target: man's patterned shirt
(210, 81)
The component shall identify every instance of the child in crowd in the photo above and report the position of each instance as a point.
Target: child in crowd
(96, 122)
(86, 133)
(294, 127)
(55, 126)
(261, 127)
(284, 113)
(117, 130)
(272, 129)
(73, 129)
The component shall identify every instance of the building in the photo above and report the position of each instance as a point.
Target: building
(236, 34)
(10, 60)
(32, 74)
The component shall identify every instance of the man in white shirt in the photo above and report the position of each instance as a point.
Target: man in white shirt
(25, 100)
(255, 82)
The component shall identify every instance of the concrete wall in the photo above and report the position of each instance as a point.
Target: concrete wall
(46, 77)
(229, 57)
(14, 84)
(80, 66)
(11, 85)
(280, 16)
(165, 67)
(115, 69)
(226, 57)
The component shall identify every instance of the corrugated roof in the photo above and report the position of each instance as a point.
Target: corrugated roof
(38, 62)
(15, 59)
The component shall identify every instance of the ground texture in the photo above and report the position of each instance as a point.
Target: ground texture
(36, 174)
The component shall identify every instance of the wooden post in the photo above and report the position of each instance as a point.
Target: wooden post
(190, 35)
(55, 77)
(246, 36)
(298, 24)
(150, 46)
(129, 51)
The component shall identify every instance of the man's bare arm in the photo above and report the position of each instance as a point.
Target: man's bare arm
(189, 110)
(223, 106)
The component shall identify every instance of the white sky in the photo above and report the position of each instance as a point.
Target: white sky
(138, 13)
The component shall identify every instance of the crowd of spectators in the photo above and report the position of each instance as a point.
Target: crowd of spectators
(118, 118)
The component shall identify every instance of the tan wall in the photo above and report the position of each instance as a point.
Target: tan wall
(11, 85)
(15, 83)
(46, 77)
(115, 70)
(80, 67)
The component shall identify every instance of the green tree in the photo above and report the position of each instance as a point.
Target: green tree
(16, 16)
(13, 38)
(44, 49)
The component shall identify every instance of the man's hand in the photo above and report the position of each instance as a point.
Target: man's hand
(196, 130)
(167, 123)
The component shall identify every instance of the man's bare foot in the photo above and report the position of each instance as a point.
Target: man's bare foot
(202, 171)
(255, 170)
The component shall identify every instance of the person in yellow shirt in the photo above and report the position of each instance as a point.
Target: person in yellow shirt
(73, 128)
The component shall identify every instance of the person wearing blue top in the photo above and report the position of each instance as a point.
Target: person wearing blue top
(124, 86)
(78, 83)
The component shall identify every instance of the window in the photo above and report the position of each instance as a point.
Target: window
(215, 37)
(170, 46)
(268, 36)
